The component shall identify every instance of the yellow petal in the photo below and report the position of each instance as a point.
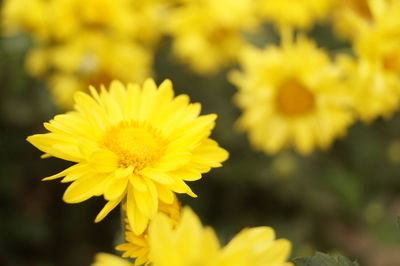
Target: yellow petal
(165, 194)
(147, 201)
(137, 182)
(115, 188)
(137, 220)
(110, 205)
(84, 188)
(104, 161)
(157, 175)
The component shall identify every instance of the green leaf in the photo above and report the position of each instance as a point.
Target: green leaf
(321, 259)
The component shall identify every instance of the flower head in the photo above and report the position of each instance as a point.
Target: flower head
(189, 243)
(81, 43)
(91, 60)
(291, 96)
(374, 76)
(200, 28)
(135, 143)
(376, 91)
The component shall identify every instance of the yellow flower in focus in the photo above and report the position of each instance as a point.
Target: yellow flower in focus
(207, 34)
(192, 244)
(135, 143)
(294, 13)
(138, 246)
(104, 259)
(291, 96)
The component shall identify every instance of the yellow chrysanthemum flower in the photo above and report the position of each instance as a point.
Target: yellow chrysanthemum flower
(294, 13)
(90, 60)
(374, 77)
(138, 246)
(380, 43)
(376, 91)
(192, 244)
(206, 38)
(104, 259)
(77, 43)
(135, 143)
(291, 96)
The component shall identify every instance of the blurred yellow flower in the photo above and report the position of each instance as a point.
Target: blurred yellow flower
(207, 34)
(380, 43)
(353, 17)
(291, 96)
(374, 77)
(294, 13)
(135, 143)
(63, 20)
(138, 246)
(93, 60)
(376, 91)
(104, 259)
(79, 43)
(192, 244)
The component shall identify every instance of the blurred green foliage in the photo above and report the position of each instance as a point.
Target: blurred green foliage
(346, 199)
(320, 259)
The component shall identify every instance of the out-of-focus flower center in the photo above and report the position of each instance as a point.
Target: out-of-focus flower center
(136, 144)
(101, 78)
(392, 62)
(219, 35)
(294, 99)
(360, 7)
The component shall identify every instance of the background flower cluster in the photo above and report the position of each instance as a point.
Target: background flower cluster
(314, 86)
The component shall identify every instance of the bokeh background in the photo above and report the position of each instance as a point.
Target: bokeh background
(344, 200)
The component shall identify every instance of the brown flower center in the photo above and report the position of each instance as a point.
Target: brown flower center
(294, 99)
(361, 8)
(392, 62)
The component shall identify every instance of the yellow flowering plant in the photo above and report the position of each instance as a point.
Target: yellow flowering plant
(81, 43)
(137, 145)
(373, 76)
(291, 96)
(192, 244)
(189, 243)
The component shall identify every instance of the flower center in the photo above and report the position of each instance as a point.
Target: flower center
(294, 99)
(101, 78)
(136, 144)
(392, 62)
(219, 35)
(361, 8)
